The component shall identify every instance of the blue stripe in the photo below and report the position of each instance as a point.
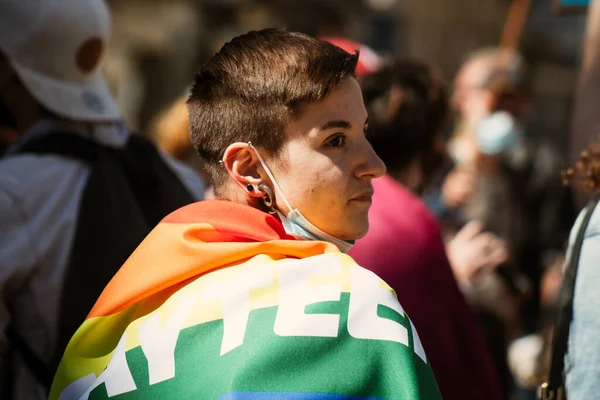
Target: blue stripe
(289, 396)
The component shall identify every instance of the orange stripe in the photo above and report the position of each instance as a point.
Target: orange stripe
(176, 252)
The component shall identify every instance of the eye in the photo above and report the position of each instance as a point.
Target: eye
(336, 141)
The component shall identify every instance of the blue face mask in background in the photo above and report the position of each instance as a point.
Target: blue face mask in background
(497, 133)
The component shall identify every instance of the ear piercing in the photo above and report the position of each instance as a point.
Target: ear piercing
(268, 197)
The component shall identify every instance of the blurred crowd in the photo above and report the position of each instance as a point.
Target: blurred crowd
(472, 217)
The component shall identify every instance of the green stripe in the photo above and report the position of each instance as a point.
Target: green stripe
(270, 363)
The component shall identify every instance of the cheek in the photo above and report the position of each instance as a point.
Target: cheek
(332, 189)
(319, 189)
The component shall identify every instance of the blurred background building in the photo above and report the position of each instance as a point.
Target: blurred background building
(157, 44)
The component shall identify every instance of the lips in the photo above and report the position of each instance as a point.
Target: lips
(366, 196)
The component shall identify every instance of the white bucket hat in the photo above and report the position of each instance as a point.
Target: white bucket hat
(55, 47)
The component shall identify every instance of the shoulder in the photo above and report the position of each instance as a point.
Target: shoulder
(398, 202)
(31, 181)
(581, 361)
(401, 215)
(39, 198)
(592, 229)
(276, 311)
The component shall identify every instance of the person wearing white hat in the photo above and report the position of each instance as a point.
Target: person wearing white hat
(50, 81)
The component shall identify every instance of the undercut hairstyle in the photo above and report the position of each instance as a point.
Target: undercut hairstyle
(407, 105)
(254, 86)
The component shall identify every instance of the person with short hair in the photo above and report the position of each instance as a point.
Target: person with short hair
(251, 296)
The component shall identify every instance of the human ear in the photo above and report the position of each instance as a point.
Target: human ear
(242, 165)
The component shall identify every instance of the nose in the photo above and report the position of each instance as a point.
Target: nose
(372, 166)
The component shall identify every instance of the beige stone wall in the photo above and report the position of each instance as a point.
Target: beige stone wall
(151, 56)
(442, 32)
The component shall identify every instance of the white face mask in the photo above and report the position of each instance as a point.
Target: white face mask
(497, 133)
(296, 224)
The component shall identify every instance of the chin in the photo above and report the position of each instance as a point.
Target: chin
(355, 232)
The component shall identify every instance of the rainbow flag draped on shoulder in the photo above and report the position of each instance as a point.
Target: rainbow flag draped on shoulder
(219, 303)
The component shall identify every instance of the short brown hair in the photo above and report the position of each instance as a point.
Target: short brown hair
(254, 85)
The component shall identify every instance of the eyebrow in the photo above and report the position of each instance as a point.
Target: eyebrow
(336, 124)
(339, 124)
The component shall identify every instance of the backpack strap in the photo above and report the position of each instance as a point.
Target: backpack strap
(129, 191)
(554, 389)
(65, 145)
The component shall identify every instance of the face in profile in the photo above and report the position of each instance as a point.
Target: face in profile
(326, 166)
(470, 99)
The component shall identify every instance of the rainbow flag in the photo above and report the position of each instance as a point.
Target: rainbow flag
(219, 303)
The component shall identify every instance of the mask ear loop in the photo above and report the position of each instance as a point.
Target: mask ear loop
(270, 175)
(268, 192)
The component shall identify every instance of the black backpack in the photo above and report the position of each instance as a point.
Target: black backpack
(128, 192)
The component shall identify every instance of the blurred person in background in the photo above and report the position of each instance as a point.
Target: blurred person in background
(492, 99)
(170, 130)
(407, 105)
(582, 358)
(251, 296)
(55, 112)
(510, 182)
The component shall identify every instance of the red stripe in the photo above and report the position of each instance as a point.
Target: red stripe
(232, 219)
